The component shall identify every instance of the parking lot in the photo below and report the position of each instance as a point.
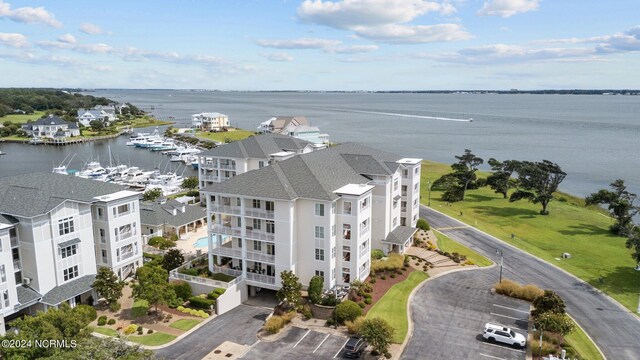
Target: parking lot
(449, 315)
(299, 343)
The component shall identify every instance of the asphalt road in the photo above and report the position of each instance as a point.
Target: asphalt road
(239, 325)
(299, 343)
(615, 330)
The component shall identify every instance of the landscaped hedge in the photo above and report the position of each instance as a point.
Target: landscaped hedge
(392, 263)
(513, 289)
(347, 311)
(423, 225)
(182, 289)
(201, 303)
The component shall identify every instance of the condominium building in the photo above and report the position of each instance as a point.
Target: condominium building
(224, 162)
(211, 121)
(296, 126)
(319, 213)
(55, 232)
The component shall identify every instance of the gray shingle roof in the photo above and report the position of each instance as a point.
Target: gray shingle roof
(73, 288)
(8, 220)
(257, 147)
(34, 194)
(152, 213)
(26, 296)
(400, 235)
(64, 244)
(315, 175)
(50, 120)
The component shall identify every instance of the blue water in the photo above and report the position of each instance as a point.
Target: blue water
(202, 242)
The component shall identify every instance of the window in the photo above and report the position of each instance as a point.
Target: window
(319, 209)
(260, 164)
(395, 184)
(269, 205)
(102, 236)
(240, 243)
(271, 250)
(415, 171)
(99, 213)
(239, 222)
(405, 173)
(403, 206)
(333, 230)
(320, 273)
(415, 186)
(257, 246)
(69, 251)
(333, 207)
(320, 254)
(319, 232)
(70, 273)
(403, 221)
(346, 207)
(65, 226)
(5, 298)
(3, 274)
(333, 274)
(123, 209)
(257, 224)
(271, 227)
(256, 204)
(364, 203)
(404, 190)
(333, 252)
(346, 231)
(104, 255)
(238, 200)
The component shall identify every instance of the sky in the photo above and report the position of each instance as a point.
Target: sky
(321, 44)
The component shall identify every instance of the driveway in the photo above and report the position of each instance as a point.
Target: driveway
(239, 325)
(614, 329)
(299, 343)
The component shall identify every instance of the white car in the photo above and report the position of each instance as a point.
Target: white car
(498, 333)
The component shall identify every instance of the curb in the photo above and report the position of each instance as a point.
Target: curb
(588, 337)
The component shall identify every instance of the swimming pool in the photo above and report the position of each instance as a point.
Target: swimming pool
(201, 243)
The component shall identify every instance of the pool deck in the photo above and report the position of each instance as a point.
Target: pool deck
(187, 246)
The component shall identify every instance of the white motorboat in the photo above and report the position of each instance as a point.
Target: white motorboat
(93, 170)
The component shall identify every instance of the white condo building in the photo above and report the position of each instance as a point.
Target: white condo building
(319, 213)
(211, 121)
(55, 232)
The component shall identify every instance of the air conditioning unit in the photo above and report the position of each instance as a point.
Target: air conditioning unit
(26, 281)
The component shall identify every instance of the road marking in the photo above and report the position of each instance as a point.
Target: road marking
(336, 355)
(325, 339)
(509, 317)
(493, 357)
(504, 347)
(303, 336)
(510, 308)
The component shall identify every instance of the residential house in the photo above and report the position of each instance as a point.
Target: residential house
(319, 213)
(296, 126)
(105, 114)
(211, 121)
(55, 232)
(170, 216)
(51, 127)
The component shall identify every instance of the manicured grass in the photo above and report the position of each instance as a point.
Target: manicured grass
(392, 307)
(447, 245)
(15, 137)
(155, 339)
(185, 324)
(578, 340)
(222, 277)
(598, 257)
(106, 331)
(142, 122)
(139, 308)
(21, 119)
(231, 135)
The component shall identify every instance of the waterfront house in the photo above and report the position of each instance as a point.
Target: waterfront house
(296, 126)
(55, 232)
(319, 213)
(211, 121)
(50, 126)
(168, 216)
(105, 114)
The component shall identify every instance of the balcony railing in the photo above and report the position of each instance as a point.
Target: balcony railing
(259, 256)
(14, 241)
(364, 230)
(259, 213)
(124, 236)
(259, 235)
(346, 270)
(17, 266)
(346, 247)
(227, 270)
(226, 230)
(224, 209)
(261, 278)
(227, 167)
(125, 256)
(226, 251)
(208, 178)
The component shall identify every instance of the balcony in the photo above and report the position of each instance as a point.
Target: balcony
(14, 241)
(346, 248)
(226, 230)
(259, 256)
(261, 278)
(124, 236)
(227, 270)
(259, 213)
(213, 178)
(125, 256)
(260, 235)
(226, 209)
(346, 270)
(227, 166)
(227, 251)
(364, 230)
(403, 193)
(17, 265)
(403, 209)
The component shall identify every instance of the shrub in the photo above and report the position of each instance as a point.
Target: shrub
(422, 224)
(149, 331)
(354, 325)
(182, 289)
(219, 291)
(103, 317)
(367, 301)
(102, 321)
(315, 289)
(513, 289)
(114, 306)
(330, 322)
(180, 308)
(201, 303)
(362, 304)
(306, 312)
(377, 254)
(387, 355)
(190, 271)
(549, 301)
(373, 280)
(140, 332)
(139, 328)
(329, 300)
(393, 276)
(175, 302)
(130, 329)
(391, 263)
(88, 312)
(111, 321)
(347, 310)
(274, 324)
(213, 296)
(383, 277)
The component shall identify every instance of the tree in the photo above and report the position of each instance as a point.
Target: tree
(548, 302)
(108, 285)
(537, 182)
(315, 289)
(621, 205)
(555, 323)
(290, 290)
(153, 286)
(96, 125)
(378, 333)
(102, 348)
(633, 242)
(462, 178)
(190, 183)
(172, 259)
(451, 189)
(500, 180)
(152, 195)
(347, 311)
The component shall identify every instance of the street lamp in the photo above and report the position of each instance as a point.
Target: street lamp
(539, 342)
(499, 252)
(429, 188)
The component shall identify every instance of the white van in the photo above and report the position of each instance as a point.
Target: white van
(498, 333)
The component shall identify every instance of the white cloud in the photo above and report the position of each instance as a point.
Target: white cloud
(407, 34)
(29, 15)
(508, 8)
(351, 49)
(74, 46)
(303, 43)
(91, 29)
(31, 58)
(280, 56)
(14, 40)
(68, 39)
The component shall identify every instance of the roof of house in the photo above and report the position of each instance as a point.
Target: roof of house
(315, 175)
(209, 115)
(400, 235)
(66, 291)
(305, 128)
(280, 122)
(153, 213)
(26, 296)
(257, 147)
(34, 194)
(8, 220)
(50, 120)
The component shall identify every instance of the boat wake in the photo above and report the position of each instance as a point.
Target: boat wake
(406, 115)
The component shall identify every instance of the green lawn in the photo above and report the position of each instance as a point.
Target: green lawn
(393, 305)
(598, 257)
(21, 119)
(583, 345)
(139, 308)
(447, 245)
(231, 135)
(105, 331)
(155, 339)
(185, 324)
(15, 137)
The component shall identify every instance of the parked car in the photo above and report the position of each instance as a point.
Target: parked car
(498, 333)
(354, 347)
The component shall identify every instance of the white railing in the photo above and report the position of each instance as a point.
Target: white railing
(175, 275)
(227, 167)
(261, 278)
(226, 230)
(235, 210)
(227, 251)
(227, 270)
(125, 256)
(208, 177)
(363, 272)
(14, 241)
(262, 257)
(259, 213)
(364, 230)
(259, 235)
